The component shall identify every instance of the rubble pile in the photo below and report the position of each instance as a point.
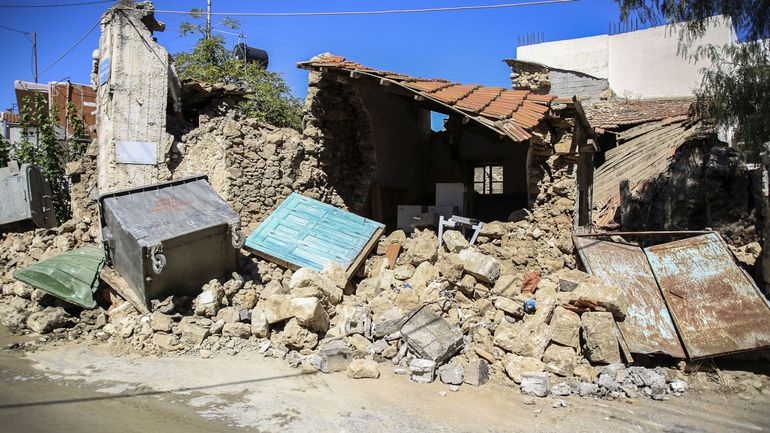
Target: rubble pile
(511, 308)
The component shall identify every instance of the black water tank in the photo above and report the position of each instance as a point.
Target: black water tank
(243, 51)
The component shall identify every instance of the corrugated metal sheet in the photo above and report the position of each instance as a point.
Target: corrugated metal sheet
(643, 153)
(648, 328)
(716, 306)
(71, 276)
(303, 232)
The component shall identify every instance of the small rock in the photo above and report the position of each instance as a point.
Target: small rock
(534, 384)
(363, 369)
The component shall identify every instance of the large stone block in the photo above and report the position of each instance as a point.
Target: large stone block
(485, 268)
(526, 339)
(430, 336)
(601, 343)
(516, 365)
(560, 360)
(332, 356)
(566, 327)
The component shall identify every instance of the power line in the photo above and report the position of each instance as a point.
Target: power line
(378, 12)
(59, 5)
(15, 30)
(71, 48)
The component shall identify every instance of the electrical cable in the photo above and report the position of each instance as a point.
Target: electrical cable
(71, 48)
(59, 5)
(377, 12)
(15, 30)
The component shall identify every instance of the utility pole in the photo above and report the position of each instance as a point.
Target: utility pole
(34, 52)
(208, 18)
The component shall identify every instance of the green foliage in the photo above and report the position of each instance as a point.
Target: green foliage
(735, 88)
(5, 152)
(50, 154)
(210, 61)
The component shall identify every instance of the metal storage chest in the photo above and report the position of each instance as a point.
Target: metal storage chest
(171, 237)
(25, 195)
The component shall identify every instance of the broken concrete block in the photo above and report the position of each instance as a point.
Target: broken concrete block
(611, 298)
(207, 303)
(165, 341)
(192, 330)
(484, 268)
(357, 321)
(237, 329)
(585, 373)
(387, 322)
(507, 285)
(515, 366)
(423, 370)
(510, 307)
(451, 374)
(161, 322)
(277, 309)
(259, 326)
(525, 339)
(378, 347)
(48, 319)
(336, 274)
(310, 314)
(430, 336)
(424, 247)
(332, 356)
(359, 343)
(296, 337)
(534, 384)
(423, 275)
(476, 372)
(601, 344)
(309, 278)
(363, 369)
(454, 241)
(271, 289)
(588, 389)
(228, 314)
(566, 327)
(450, 267)
(494, 230)
(560, 360)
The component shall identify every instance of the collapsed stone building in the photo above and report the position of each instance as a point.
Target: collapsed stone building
(514, 306)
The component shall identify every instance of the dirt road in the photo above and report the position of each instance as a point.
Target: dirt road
(86, 389)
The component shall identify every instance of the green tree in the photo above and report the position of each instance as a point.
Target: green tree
(5, 152)
(210, 61)
(50, 153)
(734, 90)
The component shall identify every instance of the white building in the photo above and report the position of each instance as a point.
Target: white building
(638, 64)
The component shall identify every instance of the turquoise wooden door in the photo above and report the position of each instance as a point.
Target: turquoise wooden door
(308, 233)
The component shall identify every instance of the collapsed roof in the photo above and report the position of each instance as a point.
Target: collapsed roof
(618, 113)
(512, 113)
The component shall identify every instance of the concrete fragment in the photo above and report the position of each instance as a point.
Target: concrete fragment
(363, 369)
(423, 275)
(611, 298)
(309, 278)
(561, 389)
(454, 241)
(484, 268)
(601, 344)
(566, 327)
(450, 267)
(451, 374)
(515, 366)
(277, 309)
(509, 306)
(310, 314)
(476, 372)
(296, 337)
(208, 302)
(387, 322)
(424, 248)
(237, 329)
(560, 360)
(534, 384)
(165, 341)
(357, 321)
(48, 319)
(332, 356)
(161, 322)
(228, 314)
(430, 336)
(192, 331)
(422, 370)
(588, 389)
(585, 373)
(525, 339)
(259, 326)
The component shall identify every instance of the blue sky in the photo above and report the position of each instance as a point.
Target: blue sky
(465, 46)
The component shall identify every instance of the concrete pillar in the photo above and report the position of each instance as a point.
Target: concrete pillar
(133, 84)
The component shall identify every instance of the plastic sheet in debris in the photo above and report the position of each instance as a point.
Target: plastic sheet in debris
(71, 276)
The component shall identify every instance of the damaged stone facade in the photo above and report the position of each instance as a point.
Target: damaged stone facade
(542, 79)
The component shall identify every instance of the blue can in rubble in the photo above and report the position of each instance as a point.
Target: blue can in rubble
(530, 306)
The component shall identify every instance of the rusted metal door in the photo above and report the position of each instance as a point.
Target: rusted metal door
(716, 306)
(648, 328)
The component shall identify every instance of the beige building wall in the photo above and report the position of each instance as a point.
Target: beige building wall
(640, 64)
